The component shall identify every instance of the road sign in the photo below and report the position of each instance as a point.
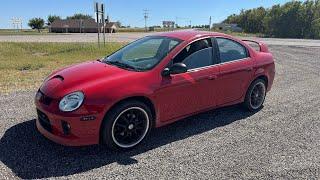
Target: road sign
(100, 14)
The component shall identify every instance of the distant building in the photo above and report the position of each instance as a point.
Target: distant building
(111, 27)
(168, 24)
(81, 26)
(227, 27)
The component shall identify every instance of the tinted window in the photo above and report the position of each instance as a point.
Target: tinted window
(230, 50)
(254, 45)
(196, 55)
(147, 49)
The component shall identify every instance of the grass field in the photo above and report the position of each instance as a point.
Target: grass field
(9, 32)
(23, 66)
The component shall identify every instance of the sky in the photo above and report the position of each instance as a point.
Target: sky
(130, 12)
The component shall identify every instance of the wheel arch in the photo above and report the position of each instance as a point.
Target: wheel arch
(263, 77)
(142, 99)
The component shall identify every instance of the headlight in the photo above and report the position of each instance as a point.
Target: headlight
(71, 101)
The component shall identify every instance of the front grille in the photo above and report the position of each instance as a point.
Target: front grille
(44, 121)
(44, 99)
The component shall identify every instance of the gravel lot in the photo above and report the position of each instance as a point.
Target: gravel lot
(280, 141)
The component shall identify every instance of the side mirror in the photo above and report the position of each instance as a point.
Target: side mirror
(176, 68)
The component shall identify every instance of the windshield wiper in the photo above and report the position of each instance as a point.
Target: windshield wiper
(121, 64)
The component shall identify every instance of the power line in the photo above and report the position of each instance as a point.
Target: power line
(17, 23)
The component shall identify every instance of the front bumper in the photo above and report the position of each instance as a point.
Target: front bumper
(67, 140)
(52, 124)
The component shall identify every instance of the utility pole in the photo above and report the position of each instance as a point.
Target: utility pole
(176, 22)
(146, 16)
(21, 24)
(210, 23)
(103, 24)
(81, 24)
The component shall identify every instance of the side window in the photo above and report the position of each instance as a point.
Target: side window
(230, 50)
(196, 55)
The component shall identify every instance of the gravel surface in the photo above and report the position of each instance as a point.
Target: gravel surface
(282, 141)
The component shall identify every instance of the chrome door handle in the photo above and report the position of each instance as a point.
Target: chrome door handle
(212, 77)
(249, 69)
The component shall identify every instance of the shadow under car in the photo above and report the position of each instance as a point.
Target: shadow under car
(29, 155)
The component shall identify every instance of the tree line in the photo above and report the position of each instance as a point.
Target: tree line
(39, 23)
(294, 19)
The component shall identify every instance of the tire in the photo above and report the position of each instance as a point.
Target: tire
(126, 125)
(255, 95)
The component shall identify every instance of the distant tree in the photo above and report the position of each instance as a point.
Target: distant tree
(232, 19)
(119, 24)
(52, 18)
(80, 16)
(294, 19)
(36, 23)
(315, 29)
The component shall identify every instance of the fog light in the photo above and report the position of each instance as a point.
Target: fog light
(65, 127)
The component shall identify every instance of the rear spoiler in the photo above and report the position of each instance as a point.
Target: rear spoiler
(262, 46)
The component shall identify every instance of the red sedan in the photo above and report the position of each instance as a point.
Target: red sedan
(149, 83)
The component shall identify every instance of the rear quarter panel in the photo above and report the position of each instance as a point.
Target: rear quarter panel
(264, 65)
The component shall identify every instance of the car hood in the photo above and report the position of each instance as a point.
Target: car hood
(80, 76)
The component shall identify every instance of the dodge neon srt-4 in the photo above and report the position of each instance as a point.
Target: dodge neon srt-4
(149, 83)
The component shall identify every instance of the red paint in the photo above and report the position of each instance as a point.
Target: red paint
(173, 97)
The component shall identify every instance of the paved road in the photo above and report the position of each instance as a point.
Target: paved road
(127, 37)
(88, 37)
(282, 141)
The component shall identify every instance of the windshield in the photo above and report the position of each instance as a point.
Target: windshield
(143, 54)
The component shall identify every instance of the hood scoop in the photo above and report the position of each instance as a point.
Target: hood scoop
(57, 77)
(52, 86)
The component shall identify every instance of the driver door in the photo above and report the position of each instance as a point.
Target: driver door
(192, 91)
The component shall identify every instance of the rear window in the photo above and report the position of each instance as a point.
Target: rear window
(253, 44)
(231, 50)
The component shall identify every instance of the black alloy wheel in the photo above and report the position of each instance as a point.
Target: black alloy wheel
(255, 95)
(126, 125)
(130, 127)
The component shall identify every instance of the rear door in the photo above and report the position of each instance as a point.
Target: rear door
(236, 70)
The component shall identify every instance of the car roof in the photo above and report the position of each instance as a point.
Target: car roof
(190, 34)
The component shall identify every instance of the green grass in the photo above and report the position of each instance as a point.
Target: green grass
(23, 66)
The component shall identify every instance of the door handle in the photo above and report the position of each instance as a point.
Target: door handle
(212, 77)
(249, 69)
